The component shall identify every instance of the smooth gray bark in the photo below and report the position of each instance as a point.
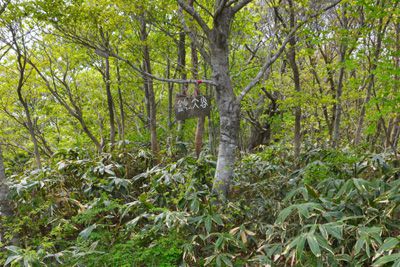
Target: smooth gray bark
(228, 105)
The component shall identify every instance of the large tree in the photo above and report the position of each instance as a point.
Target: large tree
(228, 102)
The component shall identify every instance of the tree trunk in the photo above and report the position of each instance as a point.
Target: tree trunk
(27, 113)
(200, 121)
(261, 133)
(297, 86)
(339, 91)
(395, 130)
(148, 85)
(321, 91)
(199, 135)
(170, 95)
(181, 69)
(211, 127)
(371, 81)
(338, 108)
(86, 130)
(121, 107)
(110, 101)
(330, 78)
(228, 105)
(73, 108)
(5, 205)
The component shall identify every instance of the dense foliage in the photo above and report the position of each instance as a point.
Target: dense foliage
(110, 211)
(297, 163)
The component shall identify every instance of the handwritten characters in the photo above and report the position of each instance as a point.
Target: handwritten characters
(191, 106)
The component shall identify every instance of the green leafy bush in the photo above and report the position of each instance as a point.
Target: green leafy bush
(336, 209)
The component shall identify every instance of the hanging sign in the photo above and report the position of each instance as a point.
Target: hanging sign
(191, 106)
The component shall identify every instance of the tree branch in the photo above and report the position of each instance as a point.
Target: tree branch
(272, 59)
(220, 7)
(240, 5)
(110, 53)
(180, 81)
(191, 11)
(4, 6)
(193, 38)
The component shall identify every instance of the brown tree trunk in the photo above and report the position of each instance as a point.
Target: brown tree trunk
(200, 121)
(199, 135)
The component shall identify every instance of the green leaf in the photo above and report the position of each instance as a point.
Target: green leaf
(208, 260)
(386, 259)
(334, 230)
(226, 260)
(358, 246)
(323, 231)
(195, 205)
(284, 214)
(313, 244)
(13, 258)
(300, 245)
(217, 219)
(343, 257)
(86, 232)
(14, 249)
(291, 245)
(207, 223)
(389, 244)
(324, 244)
(396, 264)
(219, 241)
(311, 191)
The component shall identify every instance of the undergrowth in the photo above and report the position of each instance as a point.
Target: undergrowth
(336, 209)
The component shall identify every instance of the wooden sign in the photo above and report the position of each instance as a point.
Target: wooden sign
(190, 106)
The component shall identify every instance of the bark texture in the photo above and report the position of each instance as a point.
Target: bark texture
(110, 101)
(296, 79)
(228, 105)
(149, 91)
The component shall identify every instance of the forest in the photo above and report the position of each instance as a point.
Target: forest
(199, 133)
